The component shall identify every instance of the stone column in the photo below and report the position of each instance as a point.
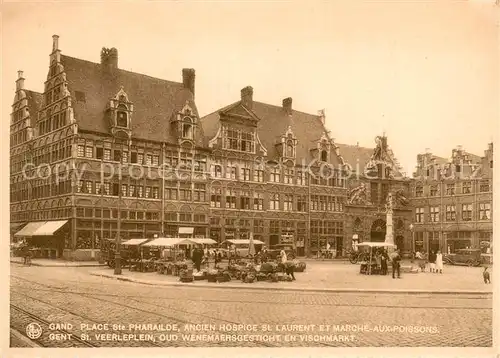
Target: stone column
(389, 233)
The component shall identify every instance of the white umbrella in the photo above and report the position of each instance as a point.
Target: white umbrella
(251, 246)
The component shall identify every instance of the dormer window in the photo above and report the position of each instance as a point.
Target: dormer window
(121, 116)
(239, 140)
(324, 156)
(187, 131)
(289, 149)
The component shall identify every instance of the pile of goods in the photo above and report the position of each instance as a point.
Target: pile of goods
(186, 275)
(201, 275)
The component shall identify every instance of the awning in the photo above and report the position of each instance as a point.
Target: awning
(186, 230)
(167, 242)
(375, 244)
(16, 226)
(203, 241)
(134, 242)
(30, 228)
(49, 228)
(244, 242)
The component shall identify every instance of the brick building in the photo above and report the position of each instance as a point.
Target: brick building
(452, 201)
(96, 115)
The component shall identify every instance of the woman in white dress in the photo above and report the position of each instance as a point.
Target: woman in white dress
(439, 262)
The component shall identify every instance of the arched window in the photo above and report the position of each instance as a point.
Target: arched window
(187, 131)
(324, 156)
(289, 149)
(121, 116)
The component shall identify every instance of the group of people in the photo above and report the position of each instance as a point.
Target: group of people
(434, 262)
(381, 259)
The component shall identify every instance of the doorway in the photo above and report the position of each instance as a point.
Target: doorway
(377, 233)
(400, 243)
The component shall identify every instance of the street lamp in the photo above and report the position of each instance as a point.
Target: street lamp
(412, 237)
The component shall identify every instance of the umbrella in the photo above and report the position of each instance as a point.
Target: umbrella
(251, 246)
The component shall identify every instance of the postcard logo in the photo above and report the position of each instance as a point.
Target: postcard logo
(33, 330)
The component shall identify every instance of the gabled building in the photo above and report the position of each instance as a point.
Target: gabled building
(374, 174)
(276, 172)
(452, 201)
(87, 155)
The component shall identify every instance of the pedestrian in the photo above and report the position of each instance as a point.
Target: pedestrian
(439, 262)
(383, 262)
(396, 264)
(197, 258)
(432, 261)
(486, 275)
(289, 269)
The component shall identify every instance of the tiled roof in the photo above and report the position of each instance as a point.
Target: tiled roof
(354, 154)
(155, 100)
(273, 123)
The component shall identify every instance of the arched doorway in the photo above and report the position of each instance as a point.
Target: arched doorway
(377, 232)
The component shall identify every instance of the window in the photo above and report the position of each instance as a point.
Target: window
(79, 186)
(451, 213)
(258, 175)
(419, 191)
(81, 150)
(117, 155)
(466, 212)
(466, 187)
(107, 188)
(238, 140)
(274, 202)
(200, 163)
(419, 215)
(199, 218)
(484, 186)
(187, 131)
(289, 149)
(140, 158)
(301, 203)
(156, 160)
(450, 189)
(230, 198)
(245, 174)
(232, 139)
(124, 157)
(133, 157)
(324, 156)
(258, 201)
(458, 168)
(171, 190)
(215, 197)
(289, 176)
(121, 119)
(185, 217)
(275, 175)
(149, 159)
(185, 192)
(247, 142)
(245, 200)
(288, 203)
(99, 153)
(231, 170)
(301, 178)
(131, 191)
(434, 190)
(148, 192)
(484, 211)
(434, 214)
(124, 189)
(199, 192)
(217, 171)
(139, 191)
(156, 192)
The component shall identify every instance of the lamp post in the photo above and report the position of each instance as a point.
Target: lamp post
(412, 237)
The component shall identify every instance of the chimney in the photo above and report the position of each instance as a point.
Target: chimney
(188, 76)
(247, 97)
(287, 105)
(109, 59)
(19, 81)
(55, 43)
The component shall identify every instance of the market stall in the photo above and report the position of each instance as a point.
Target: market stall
(370, 267)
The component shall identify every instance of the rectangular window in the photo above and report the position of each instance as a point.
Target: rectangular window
(200, 163)
(484, 186)
(156, 192)
(466, 187)
(140, 158)
(215, 197)
(148, 192)
(230, 198)
(79, 186)
(258, 175)
(434, 190)
(419, 191)
(90, 187)
(247, 142)
(117, 155)
(275, 175)
(245, 200)
(301, 178)
(245, 174)
(301, 203)
(133, 157)
(434, 214)
(125, 157)
(232, 139)
(451, 214)
(185, 192)
(149, 159)
(107, 189)
(274, 202)
(419, 215)
(139, 191)
(81, 151)
(289, 173)
(124, 189)
(217, 171)
(131, 191)
(230, 170)
(199, 192)
(484, 211)
(116, 189)
(450, 189)
(288, 203)
(258, 201)
(466, 212)
(156, 160)
(107, 154)
(99, 153)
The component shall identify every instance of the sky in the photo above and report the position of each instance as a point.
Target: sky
(425, 74)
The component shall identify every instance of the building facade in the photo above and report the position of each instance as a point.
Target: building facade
(452, 201)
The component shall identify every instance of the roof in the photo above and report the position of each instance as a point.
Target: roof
(273, 123)
(244, 242)
(354, 154)
(155, 100)
(35, 101)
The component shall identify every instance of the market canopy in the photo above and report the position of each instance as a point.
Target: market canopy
(244, 242)
(41, 228)
(167, 241)
(203, 241)
(135, 242)
(375, 244)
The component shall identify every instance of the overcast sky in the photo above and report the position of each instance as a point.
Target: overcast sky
(425, 73)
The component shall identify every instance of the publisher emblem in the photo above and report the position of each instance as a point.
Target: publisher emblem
(33, 330)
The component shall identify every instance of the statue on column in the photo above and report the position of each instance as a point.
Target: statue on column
(389, 234)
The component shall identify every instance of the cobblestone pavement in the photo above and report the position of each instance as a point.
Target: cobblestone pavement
(270, 318)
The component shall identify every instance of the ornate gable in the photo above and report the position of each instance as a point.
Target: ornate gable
(287, 145)
(383, 162)
(185, 122)
(120, 111)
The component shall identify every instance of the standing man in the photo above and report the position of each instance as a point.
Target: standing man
(396, 264)
(197, 258)
(432, 261)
